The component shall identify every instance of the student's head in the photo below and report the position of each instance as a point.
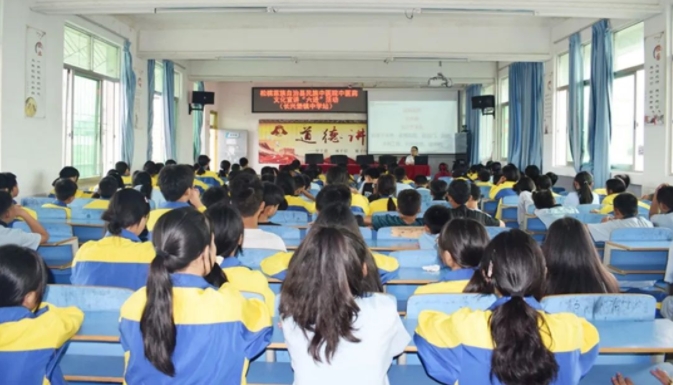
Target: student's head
(573, 265)
(524, 184)
(295, 165)
(532, 171)
(409, 203)
(460, 172)
(287, 183)
(459, 192)
(665, 199)
(615, 186)
(334, 193)
(438, 189)
(372, 174)
(203, 163)
(400, 174)
(584, 184)
(176, 182)
(159, 167)
(625, 206)
(248, 198)
(435, 217)
(128, 210)
(144, 180)
(243, 162)
(443, 167)
(514, 265)
(117, 177)
(225, 165)
(214, 195)
(273, 197)
(337, 175)
(421, 181)
(337, 214)
(386, 187)
(475, 196)
(236, 167)
(625, 178)
(183, 240)
(461, 243)
(151, 168)
(107, 187)
(543, 183)
(543, 199)
(23, 277)
(11, 183)
(268, 178)
(414, 151)
(324, 278)
(6, 207)
(122, 168)
(228, 229)
(552, 177)
(171, 162)
(4, 186)
(65, 190)
(300, 181)
(484, 175)
(69, 172)
(509, 174)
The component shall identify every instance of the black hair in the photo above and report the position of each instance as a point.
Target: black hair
(400, 174)
(175, 181)
(543, 183)
(295, 165)
(160, 166)
(615, 186)
(585, 181)
(122, 168)
(333, 193)
(214, 195)
(4, 185)
(553, 177)
(337, 175)
(6, 202)
(420, 180)
(10, 181)
(543, 199)
(414, 148)
(273, 195)
(144, 180)
(524, 184)
(117, 177)
(373, 173)
(573, 265)
(68, 172)
(65, 189)
(484, 175)
(203, 161)
(475, 192)
(626, 204)
(459, 191)
(495, 167)
(107, 187)
(151, 168)
(625, 178)
(387, 186)
(235, 167)
(286, 182)
(243, 162)
(409, 202)
(435, 217)
(127, 208)
(300, 181)
(439, 189)
(248, 171)
(22, 271)
(171, 162)
(533, 172)
(270, 178)
(225, 165)
(665, 196)
(228, 232)
(464, 239)
(511, 173)
(248, 198)
(268, 170)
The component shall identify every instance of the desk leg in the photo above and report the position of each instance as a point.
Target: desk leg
(270, 355)
(402, 360)
(606, 254)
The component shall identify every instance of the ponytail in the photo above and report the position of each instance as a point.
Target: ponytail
(391, 204)
(156, 324)
(216, 277)
(519, 354)
(200, 169)
(585, 194)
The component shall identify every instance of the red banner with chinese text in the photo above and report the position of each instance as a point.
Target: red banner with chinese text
(282, 141)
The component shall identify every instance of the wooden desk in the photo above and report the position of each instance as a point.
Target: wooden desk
(640, 245)
(374, 245)
(100, 326)
(57, 241)
(414, 276)
(85, 368)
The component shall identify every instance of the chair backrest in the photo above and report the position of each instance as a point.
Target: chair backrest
(534, 224)
(426, 197)
(314, 158)
(587, 218)
(51, 215)
(587, 208)
(367, 233)
(447, 303)
(385, 213)
(642, 234)
(285, 217)
(364, 159)
(357, 211)
(485, 191)
(32, 202)
(416, 258)
(87, 298)
(603, 307)
(252, 258)
(511, 200)
(56, 231)
(299, 209)
(388, 233)
(494, 231)
(558, 190)
(643, 211)
(440, 203)
(283, 231)
(387, 159)
(81, 202)
(91, 215)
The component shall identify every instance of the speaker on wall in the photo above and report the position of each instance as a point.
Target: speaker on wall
(483, 102)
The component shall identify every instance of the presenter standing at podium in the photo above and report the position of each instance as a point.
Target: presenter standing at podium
(410, 159)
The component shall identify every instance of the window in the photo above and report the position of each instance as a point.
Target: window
(91, 103)
(158, 128)
(486, 130)
(504, 117)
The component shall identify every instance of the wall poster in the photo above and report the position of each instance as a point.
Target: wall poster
(35, 97)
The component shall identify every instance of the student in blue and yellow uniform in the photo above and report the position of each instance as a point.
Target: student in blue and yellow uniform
(120, 259)
(65, 190)
(339, 176)
(461, 246)
(71, 173)
(514, 341)
(286, 182)
(383, 199)
(505, 185)
(32, 334)
(125, 172)
(484, 179)
(614, 187)
(203, 169)
(228, 228)
(152, 169)
(106, 189)
(180, 329)
(9, 183)
(176, 185)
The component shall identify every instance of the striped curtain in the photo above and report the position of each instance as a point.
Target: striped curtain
(198, 124)
(169, 109)
(128, 95)
(473, 122)
(576, 101)
(150, 105)
(526, 82)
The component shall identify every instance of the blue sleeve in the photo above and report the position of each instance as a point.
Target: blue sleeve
(442, 364)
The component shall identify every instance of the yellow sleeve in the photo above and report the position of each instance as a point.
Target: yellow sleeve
(252, 281)
(67, 213)
(202, 209)
(384, 262)
(494, 192)
(607, 209)
(276, 263)
(63, 323)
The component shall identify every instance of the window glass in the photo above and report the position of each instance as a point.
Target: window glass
(561, 148)
(563, 70)
(623, 118)
(629, 47)
(77, 48)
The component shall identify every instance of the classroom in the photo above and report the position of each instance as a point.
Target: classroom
(301, 192)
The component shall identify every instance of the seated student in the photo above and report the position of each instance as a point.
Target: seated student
(546, 209)
(475, 197)
(34, 333)
(505, 184)
(171, 162)
(524, 187)
(484, 179)
(371, 177)
(383, 198)
(421, 182)
(460, 172)
(11, 185)
(235, 167)
(615, 187)
(176, 184)
(216, 195)
(661, 210)
(228, 232)
(360, 331)
(434, 219)
(125, 172)
(443, 171)
(225, 165)
(403, 183)
(583, 184)
(165, 330)
(120, 259)
(203, 169)
(553, 177)
(273, 200)
(339, 176)
(65, 190)
(626, 180)
(287, 183)
(247, 195)
(303, 182)
(573, 265)
(9, 212)
(142, 181)
(72, 174)
(243, 162)
(337, 193)
(151, 168)
(625, 216)
(159, 166)
(461, 246)
(117, 177)
(514, 341)
(107, 187)
(439, 190)
(473, 172)
(459, 194)
(408, 207)
(533, 172)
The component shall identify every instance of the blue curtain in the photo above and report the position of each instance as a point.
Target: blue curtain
(600, 101)
(576, 102)
(150, 106)
(128, 85)
(526, 82)
(169, 108)
(198, 124)
(472, 120)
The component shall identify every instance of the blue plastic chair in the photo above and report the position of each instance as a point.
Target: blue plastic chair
(290, 217)
(415, 258)
(485, 191)
(509, 211)
(87, 298)
(447, 303)
(587, 218)
(367, 233)
(57, 231)
(283, 231)
(489, 206)
(426, 196)
(558, 190)
(298, 209)
(440, 203)
(634, 265)
(603, 307)
(252, 258)
(494, 231)
(49, 215)
(386, 233)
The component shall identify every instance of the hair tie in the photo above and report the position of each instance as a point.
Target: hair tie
(515, 294)
(162, 254)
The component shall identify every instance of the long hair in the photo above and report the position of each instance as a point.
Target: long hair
(144, 180)
(225, 165)
(127, 207)
(584, 182)
(465, 240)
(22, 271)
(516, 268)
(387, 186)
(202, 164)
(573, 265)
(324, 278)
(180, 237)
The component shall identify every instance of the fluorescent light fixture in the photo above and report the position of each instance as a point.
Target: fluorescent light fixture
(401, 11)
(485, 11)
(408, 59)
(212, 10)
(259, 58)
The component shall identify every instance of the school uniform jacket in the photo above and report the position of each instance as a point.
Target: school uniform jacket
(380, 205)
(31, 343)
(451, 282)
(458, 347)
(295, 201)
(163, 209)
(608, 204)
(117, 261)
(98, 204)
(243, 278)
(502, 190)
(58, 205)
(210, 174)
(276, 266)
(217, 332)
